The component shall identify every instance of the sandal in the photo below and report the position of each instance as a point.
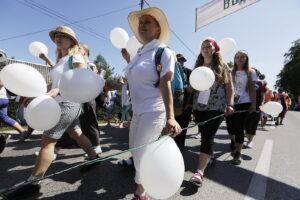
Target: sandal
(126, 163)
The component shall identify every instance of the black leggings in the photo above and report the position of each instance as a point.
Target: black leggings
(89, 123)
(208, 130)
(236, 122)
(252, 121)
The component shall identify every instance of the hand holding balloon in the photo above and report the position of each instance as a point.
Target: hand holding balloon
(125, 55)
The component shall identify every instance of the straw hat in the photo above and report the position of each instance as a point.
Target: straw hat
(121, 80)
(65, 30)
(133, 19)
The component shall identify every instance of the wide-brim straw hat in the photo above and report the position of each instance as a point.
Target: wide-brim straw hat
(133, 19)
(121, 80)
(64, 30)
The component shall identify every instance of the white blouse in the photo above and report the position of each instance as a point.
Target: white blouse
(142, 75)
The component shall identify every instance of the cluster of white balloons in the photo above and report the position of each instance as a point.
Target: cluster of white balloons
(43, 112)
(120, 39)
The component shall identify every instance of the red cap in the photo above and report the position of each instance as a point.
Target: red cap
(214, 43)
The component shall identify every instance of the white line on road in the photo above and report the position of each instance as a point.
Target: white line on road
(258, 185)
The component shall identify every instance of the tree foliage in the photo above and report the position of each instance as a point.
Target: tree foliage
(289, 76)
(103, 65)
(230, 64)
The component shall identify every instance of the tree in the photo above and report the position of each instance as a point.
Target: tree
(230, 64)
(103, 65)
(288, 78)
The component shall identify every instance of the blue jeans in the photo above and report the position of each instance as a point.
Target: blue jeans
(125, 113)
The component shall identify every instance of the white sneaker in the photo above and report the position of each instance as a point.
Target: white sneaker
(249, 145)
(97, 149)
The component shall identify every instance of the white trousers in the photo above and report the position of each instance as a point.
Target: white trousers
(144, 128)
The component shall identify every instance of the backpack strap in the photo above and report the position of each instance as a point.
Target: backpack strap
(70, 62)
(158, 55)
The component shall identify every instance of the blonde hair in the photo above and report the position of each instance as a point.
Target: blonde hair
(217, 66)
(71, 51)
(86, 48)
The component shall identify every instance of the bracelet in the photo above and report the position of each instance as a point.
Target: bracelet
(229, 105)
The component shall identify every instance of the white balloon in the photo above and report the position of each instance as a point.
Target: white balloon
(227, 45)
(36, 48)
(202, 78)
(23, 80)
(272, 108)
(80, 85)
(42, 113)
(119, 37)
(132, 46)
(162, 168)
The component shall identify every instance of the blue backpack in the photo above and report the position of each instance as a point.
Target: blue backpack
(177, 84)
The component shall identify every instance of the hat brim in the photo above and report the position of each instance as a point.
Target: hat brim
(182, 58)
(52, 35)
(133, 20)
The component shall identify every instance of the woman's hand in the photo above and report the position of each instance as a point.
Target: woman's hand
(125, 55)
(45, 58)
(229, 110)
(53, 93)
(173, 126)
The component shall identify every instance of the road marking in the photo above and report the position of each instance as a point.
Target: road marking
(258, 185)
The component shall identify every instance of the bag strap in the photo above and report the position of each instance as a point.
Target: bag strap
(158, 55)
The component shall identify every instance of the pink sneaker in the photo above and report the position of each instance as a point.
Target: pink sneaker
(197, 179)
(127, 125)
(137, 197)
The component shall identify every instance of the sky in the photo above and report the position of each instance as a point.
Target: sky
(265, 29)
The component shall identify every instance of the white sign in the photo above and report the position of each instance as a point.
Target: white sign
(217, 9)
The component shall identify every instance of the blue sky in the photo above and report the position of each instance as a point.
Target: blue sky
(265, 29)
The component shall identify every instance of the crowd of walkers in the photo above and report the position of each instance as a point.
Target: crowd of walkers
(155, 96)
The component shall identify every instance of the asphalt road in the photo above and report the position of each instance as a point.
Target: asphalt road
(271, 170)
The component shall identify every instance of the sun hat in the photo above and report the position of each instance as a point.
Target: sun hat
(133, 19)
(121, 80)
(180, 56)
(65, 30)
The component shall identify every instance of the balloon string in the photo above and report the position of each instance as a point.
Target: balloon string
(108, 157)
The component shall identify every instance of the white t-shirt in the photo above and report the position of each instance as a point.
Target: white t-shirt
(3, 93)
(125, 95)
(61, 67)
(111, 95)
(241, 80)
(142, 75)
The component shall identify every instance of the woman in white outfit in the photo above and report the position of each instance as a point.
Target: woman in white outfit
(152, 106)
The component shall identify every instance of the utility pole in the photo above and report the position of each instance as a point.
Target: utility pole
(142, 4)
